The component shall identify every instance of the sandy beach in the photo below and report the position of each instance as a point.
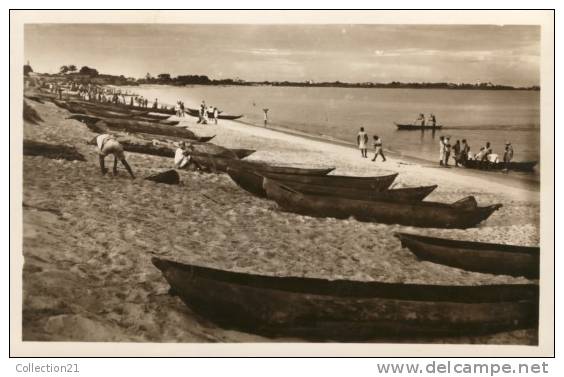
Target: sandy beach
(88, 239)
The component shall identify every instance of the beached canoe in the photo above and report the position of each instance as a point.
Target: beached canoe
(196, 113)
(526, 166)
(348, 310)
(475, 256)
(116, 114)
(252, 181)
(415, 127)
(462, 214)
(242, 153)
(52, 151)
(117, 124)
(378, 183)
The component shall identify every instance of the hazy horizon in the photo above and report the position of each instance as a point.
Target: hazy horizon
(507, 55)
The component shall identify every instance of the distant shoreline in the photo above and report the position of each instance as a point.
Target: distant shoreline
(190, 80)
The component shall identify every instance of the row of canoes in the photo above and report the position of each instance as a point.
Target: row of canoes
(312, 192)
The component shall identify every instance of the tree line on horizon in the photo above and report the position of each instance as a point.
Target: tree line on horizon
(85, 73)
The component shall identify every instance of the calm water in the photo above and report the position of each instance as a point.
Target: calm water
(478, 116)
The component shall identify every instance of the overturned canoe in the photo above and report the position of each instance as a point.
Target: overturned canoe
(252, 181)
(475, 256)
(52, 151)
(415, 127)
(378, 183)
(461, 214)
(526, 166)
(345, 310)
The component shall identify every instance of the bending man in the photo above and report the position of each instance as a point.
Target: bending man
(107, 144)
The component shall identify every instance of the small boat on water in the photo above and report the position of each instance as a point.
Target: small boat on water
(252, 181)
(475, 256)
(525, 166)
(348, 310)
(196, 113)
(464, 213)
(415, 127)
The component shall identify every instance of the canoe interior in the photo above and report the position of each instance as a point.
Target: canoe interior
(420, 214)
(347, 310)
(379, 183)
(526, 166)
(366, 289)
(475, 256)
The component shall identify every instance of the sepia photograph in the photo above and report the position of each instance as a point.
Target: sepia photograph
(251, 178)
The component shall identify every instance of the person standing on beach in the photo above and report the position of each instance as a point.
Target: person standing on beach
(362, 140)
(215, 114)
(107, 144)
(447, 150)
(456, 150)
(378, 148)
(181, 109)
(441, 150)
(507, 155)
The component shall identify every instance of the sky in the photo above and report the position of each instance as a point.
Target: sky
(348, 53)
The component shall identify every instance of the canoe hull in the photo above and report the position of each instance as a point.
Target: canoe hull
(475, 256)
(252, 182)
(379, 183)
(525, 166)
(415, 127)
(419, 214)
(348, 311)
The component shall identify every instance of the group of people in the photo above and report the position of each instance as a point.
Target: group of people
(362, 142)
(179, 108)
(430, 121)
(461, 152)
(208, 114)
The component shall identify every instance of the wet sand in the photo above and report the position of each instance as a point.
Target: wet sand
(88, 238)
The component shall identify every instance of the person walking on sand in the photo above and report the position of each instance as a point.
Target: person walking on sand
(107, 144)
(441, 150)
(378, 148)
(362, 140)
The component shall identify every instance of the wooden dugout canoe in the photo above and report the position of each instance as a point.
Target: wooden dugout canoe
(378, 183)
(196, 113)
(242, 153)
(420, 214)
(525, 166)
(221, 164)
(252, 181)
(475, 256)
(97, 123)
(415, 127)
(102, 112)
(343, 310)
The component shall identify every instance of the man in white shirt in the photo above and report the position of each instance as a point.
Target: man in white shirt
(181, 156)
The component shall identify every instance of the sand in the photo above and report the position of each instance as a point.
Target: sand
(88, 239)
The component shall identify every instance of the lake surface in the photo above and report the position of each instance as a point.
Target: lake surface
(476, 115)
